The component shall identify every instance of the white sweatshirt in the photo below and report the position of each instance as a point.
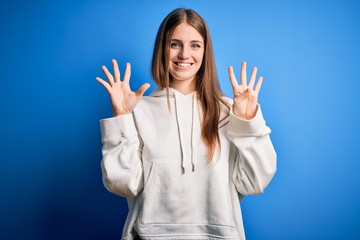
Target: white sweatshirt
(157, 160)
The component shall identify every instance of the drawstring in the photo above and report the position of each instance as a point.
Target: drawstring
(193, 143)
(177, 108)
(184, 157)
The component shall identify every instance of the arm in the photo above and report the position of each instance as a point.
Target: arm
(255, 157)
(121, 164)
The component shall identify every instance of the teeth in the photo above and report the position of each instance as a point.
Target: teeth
(184, 64)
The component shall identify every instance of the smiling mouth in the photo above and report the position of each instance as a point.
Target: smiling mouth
(183, 65)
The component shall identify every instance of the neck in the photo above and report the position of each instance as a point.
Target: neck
(185, 87)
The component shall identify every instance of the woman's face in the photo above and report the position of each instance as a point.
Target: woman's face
(186, 55)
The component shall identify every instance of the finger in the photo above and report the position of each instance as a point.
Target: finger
(243, 74)
(252, 78)
(127, 73)
(232, 77)
(104, 83)
(108, 75)
(258, 85)
(142, 89)
(116, 71)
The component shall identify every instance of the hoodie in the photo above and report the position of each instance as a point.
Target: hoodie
(155, 157)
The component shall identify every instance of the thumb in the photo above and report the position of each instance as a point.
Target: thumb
(142, 89)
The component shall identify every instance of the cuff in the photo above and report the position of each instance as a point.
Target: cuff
(117, 126)
(244, 127)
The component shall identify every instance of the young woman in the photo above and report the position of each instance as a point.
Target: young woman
(185, 155)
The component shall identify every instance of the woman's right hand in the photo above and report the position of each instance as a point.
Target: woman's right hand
(123, 100)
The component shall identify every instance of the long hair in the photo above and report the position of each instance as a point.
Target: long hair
(206, 80)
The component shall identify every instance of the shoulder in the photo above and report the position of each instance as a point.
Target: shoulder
(150, 104)
(225, 106)
(149, 101)
(227, 100)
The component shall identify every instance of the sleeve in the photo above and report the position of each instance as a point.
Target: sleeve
(121, 165)
(255, 157)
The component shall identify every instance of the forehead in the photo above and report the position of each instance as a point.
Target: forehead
(186, 32)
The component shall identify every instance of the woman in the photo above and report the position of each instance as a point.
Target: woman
(185, 155)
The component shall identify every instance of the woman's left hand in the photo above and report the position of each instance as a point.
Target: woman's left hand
(245, 96)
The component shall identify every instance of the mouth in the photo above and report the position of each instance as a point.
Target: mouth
(183, 65)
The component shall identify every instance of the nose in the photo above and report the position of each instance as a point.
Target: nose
(184, 53)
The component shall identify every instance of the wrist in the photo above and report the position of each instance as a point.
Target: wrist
(120, 113)
(245, 116)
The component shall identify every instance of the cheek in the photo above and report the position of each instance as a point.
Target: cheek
(199, 57)
(172, 54)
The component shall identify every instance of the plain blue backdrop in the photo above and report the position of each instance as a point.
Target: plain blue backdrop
(51, 52)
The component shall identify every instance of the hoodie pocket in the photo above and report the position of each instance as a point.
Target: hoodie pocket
(199, 197)
(149, 171)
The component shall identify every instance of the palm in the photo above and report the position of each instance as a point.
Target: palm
(123, 99)
(245, 96)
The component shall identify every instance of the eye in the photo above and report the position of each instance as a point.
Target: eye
(196, 45)
(175, 45)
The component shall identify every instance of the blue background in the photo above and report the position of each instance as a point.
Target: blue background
(51, 52)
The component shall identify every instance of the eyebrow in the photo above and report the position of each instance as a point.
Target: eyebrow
(193, 41)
